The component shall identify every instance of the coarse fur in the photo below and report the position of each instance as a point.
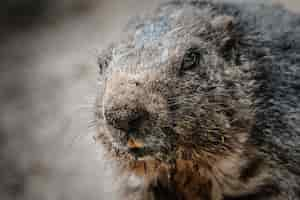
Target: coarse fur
(201, 101)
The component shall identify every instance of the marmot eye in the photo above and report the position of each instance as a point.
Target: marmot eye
(102, 64)
(104, 59)
(191, 59)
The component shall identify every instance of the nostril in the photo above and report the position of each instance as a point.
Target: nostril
(137, 83)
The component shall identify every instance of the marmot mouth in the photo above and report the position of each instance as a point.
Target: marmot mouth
(138, 148)
(138, 152)
(141, 142)
(127, 143)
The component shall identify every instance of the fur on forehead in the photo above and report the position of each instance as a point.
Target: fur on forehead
(159, 33)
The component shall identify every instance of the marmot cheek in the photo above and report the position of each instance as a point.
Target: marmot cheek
(157, 106)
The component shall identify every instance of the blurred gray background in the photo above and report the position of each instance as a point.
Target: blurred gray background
(48, 79)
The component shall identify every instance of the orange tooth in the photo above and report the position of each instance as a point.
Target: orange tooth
(134, 144)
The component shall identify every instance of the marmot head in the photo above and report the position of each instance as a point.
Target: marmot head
(175, 89)
(184, 100)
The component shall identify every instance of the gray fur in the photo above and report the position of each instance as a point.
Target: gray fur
(248, 79)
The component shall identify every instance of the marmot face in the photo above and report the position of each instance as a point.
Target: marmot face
(196, 100)
(169, 93)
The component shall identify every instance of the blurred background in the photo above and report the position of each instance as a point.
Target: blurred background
(48, 79)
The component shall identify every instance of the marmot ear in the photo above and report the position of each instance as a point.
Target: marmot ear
(226, 35)
(104, 58)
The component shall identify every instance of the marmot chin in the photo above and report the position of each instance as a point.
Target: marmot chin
(201, 100)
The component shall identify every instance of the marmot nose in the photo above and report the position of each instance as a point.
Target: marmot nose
(123, 102)
(125, 119)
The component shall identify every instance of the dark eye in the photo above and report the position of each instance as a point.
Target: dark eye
(102, 64)
(191, 59)
(104, 59)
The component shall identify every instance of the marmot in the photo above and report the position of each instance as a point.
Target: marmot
(201, 100)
